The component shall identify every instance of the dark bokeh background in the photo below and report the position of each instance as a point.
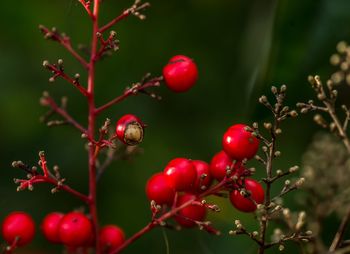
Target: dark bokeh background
(241, 48)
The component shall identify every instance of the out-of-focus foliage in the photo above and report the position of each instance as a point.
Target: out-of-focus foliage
(241, 48)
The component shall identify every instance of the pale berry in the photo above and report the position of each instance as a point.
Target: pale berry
(130, 130)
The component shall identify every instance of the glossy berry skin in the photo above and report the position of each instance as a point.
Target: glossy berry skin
(180, 74)
(192, 212)
(219, 164)
(111, 237)
(244, 204)
(75, 230)
(50, 226)
(181, 174)
(240, 144)
(159, 189)
(202, 183)
(18, 224)
(130, 130)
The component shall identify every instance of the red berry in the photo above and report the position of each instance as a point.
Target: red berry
(181, 174)
(130, 130)
(244, 204)
(240, 144)
(158, 188)
(180, 74)
(50, 226)
(219, 164)
(18, 225)
(111, 237)
(190, 213)
(75, 229)
(204, 178)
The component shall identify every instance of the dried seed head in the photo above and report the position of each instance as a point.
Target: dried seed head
(300, 182)
(274, 89)
(293, 169)
(45, 63)
(263, 99)
(283, 88)
(268, 126)
(341, 46)
(293, 113)
(278, 131)
(335, 59)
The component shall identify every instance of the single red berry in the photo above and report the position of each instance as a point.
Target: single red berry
(180, 74)
(159, 189)
(187, 216)
(18, 225)
(204, 178)
(75, 229)
(130, 130)
(245, 204)
(181, 174)
(111, 237)
(239, 143)
(219, 165)
(50, 226)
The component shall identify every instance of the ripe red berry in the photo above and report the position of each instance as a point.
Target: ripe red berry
(75, 229)
(158, 188)
(111, 237)
(18, 225)
(187, 216)
(219, 164)
(50, 226)
(130, 130)
(181, 174)
(204, 178)
(239, 143)
(180, 74)
(245, 204)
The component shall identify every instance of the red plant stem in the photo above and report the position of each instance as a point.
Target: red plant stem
(48, 179)
(87, 8)
(91, 126)
(60, 73)
(65, 42)
(64, 114)
(127, 93)
(125, 14)
(167, 215)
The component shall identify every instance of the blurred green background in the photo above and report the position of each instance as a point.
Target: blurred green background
(241, 48)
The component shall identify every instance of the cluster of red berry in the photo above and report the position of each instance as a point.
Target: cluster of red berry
(73, 229)
(183, 179)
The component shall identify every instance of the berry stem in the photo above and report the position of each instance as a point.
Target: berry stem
(47, 100)
(58, 72)
(122, 16)
(91, 126)
(172, 212)
(129, 92)
(87, 8)
(65, 42)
